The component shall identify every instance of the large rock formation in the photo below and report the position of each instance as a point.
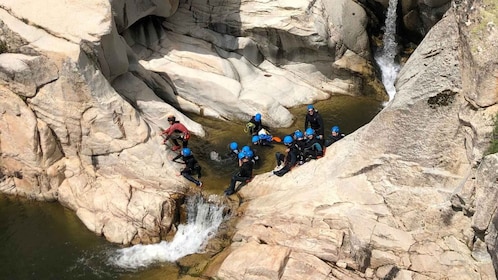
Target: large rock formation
(87, 86)
(408, 196)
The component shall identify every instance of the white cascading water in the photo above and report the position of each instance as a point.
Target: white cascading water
(386, 56)
(203, 220)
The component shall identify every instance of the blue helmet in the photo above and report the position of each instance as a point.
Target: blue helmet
(249, 154)
(298, 134)
(309, 131)
(310, 107)
(335, 128)
(288, 140)
(255, 139)
(186, 152)
(245, 149)
(234, 146)
(241, 155)
(257, 117)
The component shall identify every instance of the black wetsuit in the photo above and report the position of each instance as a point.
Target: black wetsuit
(300, 145)
(191, 167)
(289, 160)
(258, 125)
(312, 149)
(314, 121)
(332, 139)
(244, 174)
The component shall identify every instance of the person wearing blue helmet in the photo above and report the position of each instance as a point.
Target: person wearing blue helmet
(335, 135)
(245, 149)
(233, 150)
(314, 120)
(250, 153)
(241, 155)
(288, 160)
(244, 174)
(233, 146)
(191, 166)
(313, 149)
(254, 126)
(299, 143)
(262, 140)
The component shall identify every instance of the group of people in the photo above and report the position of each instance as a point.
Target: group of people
(303, 147)
(300, 147)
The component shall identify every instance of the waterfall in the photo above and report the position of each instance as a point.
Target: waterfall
(203, 220)
(386, 56)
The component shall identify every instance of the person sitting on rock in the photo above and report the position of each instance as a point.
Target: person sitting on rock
(175, 132)
(299, 143)
(243, 175)
(312, 147)
(289, 160)
(191, 166)
(335, 135)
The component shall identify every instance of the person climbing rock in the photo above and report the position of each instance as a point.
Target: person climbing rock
(176, 131)
(191, 166)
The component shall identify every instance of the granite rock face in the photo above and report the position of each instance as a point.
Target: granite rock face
(407, 196)
(83, 102)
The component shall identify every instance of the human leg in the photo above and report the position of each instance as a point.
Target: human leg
(231, 188)
(235, 178)
(174, 140)
(189, 177)
(280, 158)
(282, 171)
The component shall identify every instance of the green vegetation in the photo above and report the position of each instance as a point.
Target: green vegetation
(493, 148)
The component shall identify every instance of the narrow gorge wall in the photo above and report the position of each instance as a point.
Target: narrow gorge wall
(87, 86)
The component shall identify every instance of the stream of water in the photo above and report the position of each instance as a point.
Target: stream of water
(46, 241)
(386, 56)
(203, 220)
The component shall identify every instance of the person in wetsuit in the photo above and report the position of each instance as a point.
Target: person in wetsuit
(191, 166)
(314, 120)
(288, 160)
(243, 175)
